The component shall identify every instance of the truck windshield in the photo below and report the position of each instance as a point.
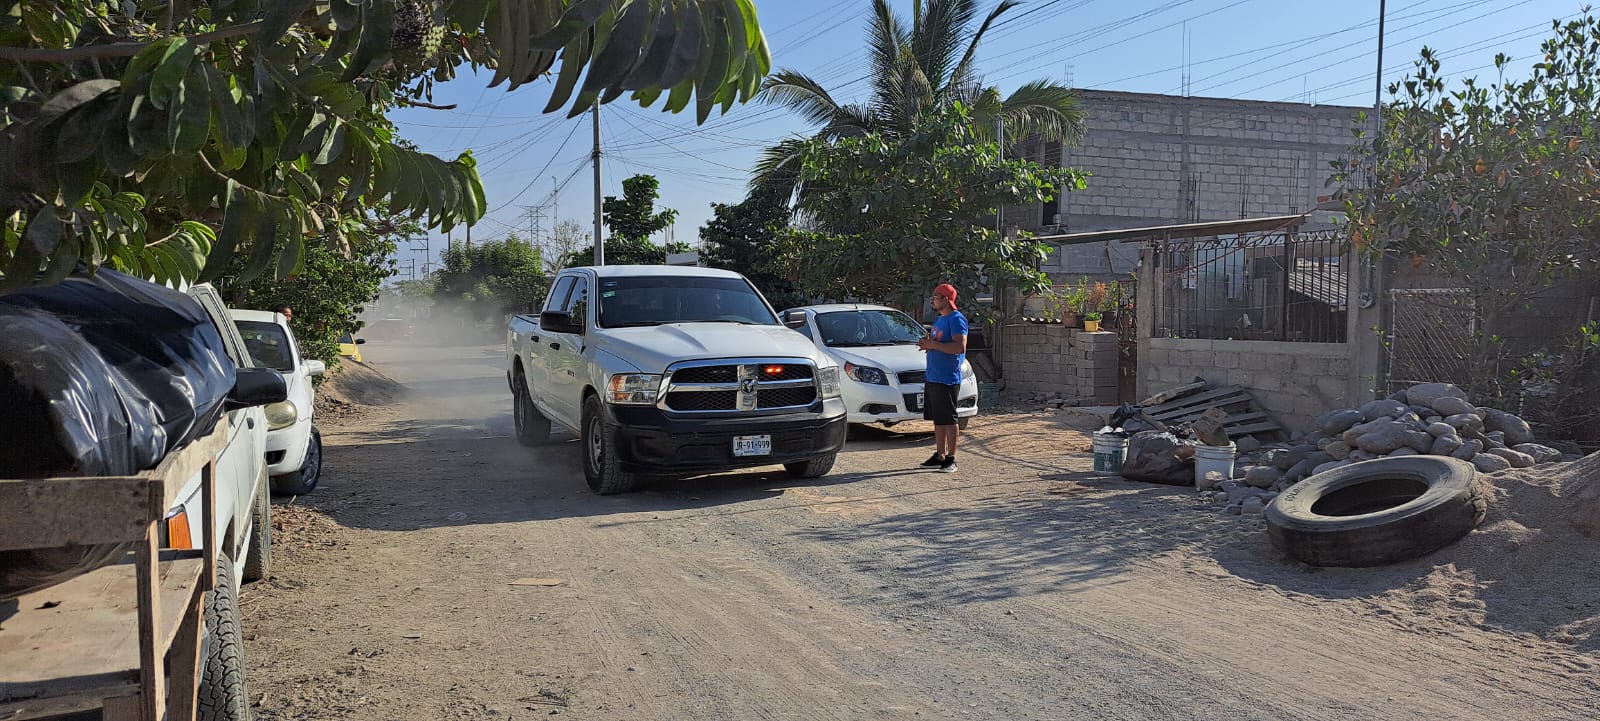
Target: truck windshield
(848, 328)
(658, 300)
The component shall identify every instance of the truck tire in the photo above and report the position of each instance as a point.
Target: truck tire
(304, 480)
(222, 686)
(258, 548)
(601, 466)
(813, 468)
(533, 429)
(1378, 512)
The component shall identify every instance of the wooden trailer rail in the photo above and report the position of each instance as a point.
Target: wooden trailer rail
(106, 639)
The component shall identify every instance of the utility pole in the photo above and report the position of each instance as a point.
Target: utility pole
(599, 245)
(1000, 132)
(535, 215)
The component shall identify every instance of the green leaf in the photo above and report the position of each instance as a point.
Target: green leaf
(189, 120)
(280, 15)
(265, 245)
(620, 53)
(239, 215)
(685, 49)
(377, 29)
(82, 129)
(289, 260)
(332, 146)
(43, 233)
(169, 73)
(572, 59)
(232, 133)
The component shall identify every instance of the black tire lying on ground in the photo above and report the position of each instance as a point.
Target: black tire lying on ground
(1377, 512)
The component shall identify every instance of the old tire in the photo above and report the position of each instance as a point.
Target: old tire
(1378, 512)
(304, 480)
(222, 683)
(813, 468)
(532, 427)
(602, 468)
(258, 547)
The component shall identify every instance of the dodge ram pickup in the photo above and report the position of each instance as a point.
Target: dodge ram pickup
(671, 371)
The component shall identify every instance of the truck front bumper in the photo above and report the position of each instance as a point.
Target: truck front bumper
(654, 442)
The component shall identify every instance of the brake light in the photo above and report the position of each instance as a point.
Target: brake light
(178, 531)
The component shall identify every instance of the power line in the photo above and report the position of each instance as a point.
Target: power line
(539, 174)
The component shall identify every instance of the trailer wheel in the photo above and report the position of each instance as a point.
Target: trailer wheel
(222, 688)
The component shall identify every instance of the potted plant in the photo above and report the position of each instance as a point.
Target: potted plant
(1111, 305)
(1091, 322)
(1072, 304)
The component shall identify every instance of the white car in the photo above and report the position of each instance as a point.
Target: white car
(883, 369)
(294, 447)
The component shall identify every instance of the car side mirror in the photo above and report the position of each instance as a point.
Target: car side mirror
(256, 387)
(361, 341)
(316, 368)
(556, 321)
(796, 320)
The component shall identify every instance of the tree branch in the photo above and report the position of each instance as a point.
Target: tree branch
(116, 50)
(430, 106)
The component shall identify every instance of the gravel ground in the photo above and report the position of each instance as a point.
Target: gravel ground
(1023, 587)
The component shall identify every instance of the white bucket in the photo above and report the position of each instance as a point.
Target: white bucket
(1213, 458)
(1110, 450)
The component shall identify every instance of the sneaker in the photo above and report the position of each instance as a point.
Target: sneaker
(934, 461)
(948, 466)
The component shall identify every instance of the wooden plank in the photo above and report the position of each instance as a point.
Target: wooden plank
(1255, 428)
(184, 661)
(49, 512)
(152, 651)
(1172, 393)
(1200, 410)
(179, 466)
(1190, 401)
(82, 636)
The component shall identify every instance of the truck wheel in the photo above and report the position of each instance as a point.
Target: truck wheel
(304, 480)
(814, 468)
(601, 466)
(533, 428)
(258, 549)
(222, 688)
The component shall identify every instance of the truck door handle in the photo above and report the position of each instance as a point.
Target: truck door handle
(555, 346)
(533, 338)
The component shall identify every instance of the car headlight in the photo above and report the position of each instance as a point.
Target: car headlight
(634, 388)
(281, 415)
(828, 381)
(966, 371)
(866, 374)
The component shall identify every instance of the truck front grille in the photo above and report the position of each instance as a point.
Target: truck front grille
(703, 400)
(707, 374)
(752, 385)
(784, 397)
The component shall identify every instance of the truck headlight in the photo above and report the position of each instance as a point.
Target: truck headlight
(828, 381)
(634, 388)
(281, 415)
(866, 374)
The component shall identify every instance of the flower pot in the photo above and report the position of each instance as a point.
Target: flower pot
(1070, 320)
(1091, 326)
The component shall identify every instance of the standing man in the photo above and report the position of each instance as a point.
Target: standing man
(947, 349)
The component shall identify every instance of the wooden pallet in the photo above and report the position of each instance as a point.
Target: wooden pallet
(106, 640)
(1190, 403)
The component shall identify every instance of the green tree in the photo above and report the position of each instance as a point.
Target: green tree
(330, 289)
(167, 138)
(743, 236)
(632, 219)
(929, 65)
(1494, 187)
(491, 279)
(893, 216)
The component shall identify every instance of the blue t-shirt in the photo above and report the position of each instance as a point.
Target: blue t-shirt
(946, 367)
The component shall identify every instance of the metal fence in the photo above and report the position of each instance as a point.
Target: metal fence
(1278, 286)
(1431, 336)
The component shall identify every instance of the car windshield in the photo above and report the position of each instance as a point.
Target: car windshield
(846, 328)
(346, 338)
(267, 344)
(657, 300)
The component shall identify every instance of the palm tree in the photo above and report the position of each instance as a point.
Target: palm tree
(913, 70)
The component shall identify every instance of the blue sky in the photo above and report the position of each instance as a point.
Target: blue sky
(1287, 50)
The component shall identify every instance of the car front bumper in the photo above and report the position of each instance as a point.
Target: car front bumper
(896, 403)
(652, 441)
(286, 448)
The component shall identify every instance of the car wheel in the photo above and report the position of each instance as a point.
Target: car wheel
(602, 469)
(304, 480)
(813, 468)
(222, 683)
(532, 427)
(1377, 512)
(258, 549)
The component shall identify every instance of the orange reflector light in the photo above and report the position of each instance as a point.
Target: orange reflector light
(774, 370)
(178, 531)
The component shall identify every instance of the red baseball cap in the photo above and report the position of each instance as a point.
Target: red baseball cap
(946, 291)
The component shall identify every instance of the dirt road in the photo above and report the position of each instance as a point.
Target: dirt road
(1022, 587)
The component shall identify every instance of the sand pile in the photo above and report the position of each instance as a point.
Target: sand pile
(354, 386)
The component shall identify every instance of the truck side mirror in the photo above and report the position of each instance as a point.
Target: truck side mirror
(256, 387)
(556, 321)
(794, 319)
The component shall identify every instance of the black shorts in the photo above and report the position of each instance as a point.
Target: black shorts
(939, 403)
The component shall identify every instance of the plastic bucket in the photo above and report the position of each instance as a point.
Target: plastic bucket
(1110, 450)
(1213, 458)
(988, 395)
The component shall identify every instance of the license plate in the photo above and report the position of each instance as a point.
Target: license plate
(752, 446)
(919, 403)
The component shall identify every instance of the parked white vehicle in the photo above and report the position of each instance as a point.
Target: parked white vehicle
(294, 447)
(883, 369)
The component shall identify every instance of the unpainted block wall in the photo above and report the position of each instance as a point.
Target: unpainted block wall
(1050, 359)
(1295, 382)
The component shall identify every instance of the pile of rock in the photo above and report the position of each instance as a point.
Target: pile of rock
(1425, 419)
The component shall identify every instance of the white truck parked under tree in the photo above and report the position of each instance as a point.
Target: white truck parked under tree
(667, 370)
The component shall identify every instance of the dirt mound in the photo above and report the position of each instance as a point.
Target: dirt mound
(361, 384)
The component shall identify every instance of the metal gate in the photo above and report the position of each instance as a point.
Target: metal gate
(1431, 336)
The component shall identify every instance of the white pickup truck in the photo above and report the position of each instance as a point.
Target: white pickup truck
(667, 371)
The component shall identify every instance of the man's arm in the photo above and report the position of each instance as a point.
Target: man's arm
(955, 346)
